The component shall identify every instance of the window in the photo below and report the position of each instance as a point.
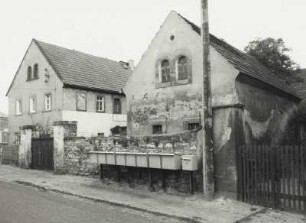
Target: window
(182, 68)
(32, 105)
(157, 129)
(5, 137)
(81, 101)
(100, 103)
(165, 71)
(17, 138)
(18, 107)
(117, 106)
(48, 102)
(29, 73)
(35, 76)
(193, 126)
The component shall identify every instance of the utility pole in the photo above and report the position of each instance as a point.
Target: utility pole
(207, 121)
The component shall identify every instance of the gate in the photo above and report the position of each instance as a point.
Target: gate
(272, 176)
(42, 154)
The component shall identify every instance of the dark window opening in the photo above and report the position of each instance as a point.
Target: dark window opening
(182, 68)
(157, 129)
(35, 76)
(117, 106)
(193, 126)
(165, 71)
(29, 73)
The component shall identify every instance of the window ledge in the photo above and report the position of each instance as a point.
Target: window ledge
(45, 111)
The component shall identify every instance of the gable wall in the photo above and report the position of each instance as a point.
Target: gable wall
(149, 105)
(23, 90)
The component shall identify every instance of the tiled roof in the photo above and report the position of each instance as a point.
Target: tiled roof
(245, 63)
(299, 85)
(77, 69)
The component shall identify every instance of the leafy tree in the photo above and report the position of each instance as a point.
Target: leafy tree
(272, 53)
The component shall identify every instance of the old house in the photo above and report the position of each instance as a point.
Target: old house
(53, 83)
(164, 95)
(3, 129)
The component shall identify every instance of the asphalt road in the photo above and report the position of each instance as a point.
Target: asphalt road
(22, 204)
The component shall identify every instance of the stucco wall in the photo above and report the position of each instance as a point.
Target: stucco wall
(91, 122)
(149, 105)
(23, 90)
(268, 113)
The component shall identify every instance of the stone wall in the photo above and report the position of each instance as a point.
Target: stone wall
(75, 157)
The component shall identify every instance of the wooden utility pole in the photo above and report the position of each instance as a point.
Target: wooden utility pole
(207, 121)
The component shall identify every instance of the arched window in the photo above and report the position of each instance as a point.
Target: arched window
(29, 73)
(165, 71)
(182, 67)
(35, 76)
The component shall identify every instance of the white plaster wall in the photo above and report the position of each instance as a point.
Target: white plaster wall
(92, 123)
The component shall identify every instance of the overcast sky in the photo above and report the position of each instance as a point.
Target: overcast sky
(123, 29)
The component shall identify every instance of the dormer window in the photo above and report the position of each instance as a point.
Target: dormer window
(182, 68)
(29, 73)
(35, 73)
(165, 71)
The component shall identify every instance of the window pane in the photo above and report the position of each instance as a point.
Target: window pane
(100, 103)
(165, 71)
(81, 101)
(48, 102)
(182, 68)
(157, 129)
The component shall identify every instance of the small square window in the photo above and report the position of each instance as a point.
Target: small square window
(193, 126)
(48, 102)
(157, 129)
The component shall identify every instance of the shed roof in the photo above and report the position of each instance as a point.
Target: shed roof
(245, 63)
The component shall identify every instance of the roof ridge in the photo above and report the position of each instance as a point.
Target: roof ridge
(73, 50)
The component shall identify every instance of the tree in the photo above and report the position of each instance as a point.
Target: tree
(272, 53)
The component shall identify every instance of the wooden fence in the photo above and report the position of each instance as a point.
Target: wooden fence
(272, 176)
(9, 154)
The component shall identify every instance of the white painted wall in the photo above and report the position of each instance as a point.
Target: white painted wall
(92, 123)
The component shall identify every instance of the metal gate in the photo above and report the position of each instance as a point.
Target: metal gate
(272, 176)
(42, 154)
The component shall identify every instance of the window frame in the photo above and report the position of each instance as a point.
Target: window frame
(102, 103)
(120, 105)
(154, 131)
(167, 69)
(186, 67)
(34, 104)
(18, 104)
(48, 96)
(29, 73)
(35, 71)
(78, 106)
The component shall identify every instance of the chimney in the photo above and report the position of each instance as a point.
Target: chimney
(131, 64)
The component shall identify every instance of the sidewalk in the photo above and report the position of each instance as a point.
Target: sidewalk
(181, 207)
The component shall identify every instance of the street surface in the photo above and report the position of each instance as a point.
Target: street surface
(22, 204)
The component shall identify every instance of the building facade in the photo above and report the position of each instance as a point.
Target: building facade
(251, 105)
(57, 84)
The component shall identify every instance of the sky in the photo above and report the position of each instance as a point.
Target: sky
(122, 29)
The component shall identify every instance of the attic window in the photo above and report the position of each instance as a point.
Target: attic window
(29, 73)
(165, 71)
(172, 37)
(35, 76)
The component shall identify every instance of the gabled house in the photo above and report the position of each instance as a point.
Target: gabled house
(251, 105)
(53, 83)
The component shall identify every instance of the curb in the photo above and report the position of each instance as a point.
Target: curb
(97, 200)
